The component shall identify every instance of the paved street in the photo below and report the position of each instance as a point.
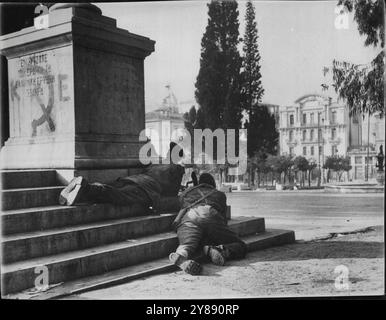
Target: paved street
(300, 269)
(310, 214)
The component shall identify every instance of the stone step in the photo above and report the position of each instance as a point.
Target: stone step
(50, 242)
(43, 218)
(30, 197)
(272, 237)
(57, 216)
(72, 265)
(269, 238)
(14, 179)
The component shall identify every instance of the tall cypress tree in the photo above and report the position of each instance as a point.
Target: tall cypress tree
(252, 88)
(252, 91)
(218, 84)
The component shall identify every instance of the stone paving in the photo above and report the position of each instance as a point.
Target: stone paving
(307, 268)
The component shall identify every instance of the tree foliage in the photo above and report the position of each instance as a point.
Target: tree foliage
(369, 15)
(280, 164)
(338, 164)
(252, 89)
(301, 164)
(218, 84)
(262, 134)
(362, 86)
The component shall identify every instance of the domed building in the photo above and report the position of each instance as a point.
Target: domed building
(165, 124)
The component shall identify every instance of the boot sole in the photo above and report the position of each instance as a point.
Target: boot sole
(189, 266)
(72, 192)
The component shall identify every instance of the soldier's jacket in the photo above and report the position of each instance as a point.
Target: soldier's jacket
(211, 209)
(157, 181)
(146, 183)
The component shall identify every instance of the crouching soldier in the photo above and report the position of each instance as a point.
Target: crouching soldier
(201, 225)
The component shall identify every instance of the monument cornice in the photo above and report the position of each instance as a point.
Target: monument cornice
(78, 26)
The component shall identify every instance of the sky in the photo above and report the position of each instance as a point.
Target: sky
(296, 40)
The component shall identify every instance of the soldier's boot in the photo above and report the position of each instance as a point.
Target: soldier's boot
(189, 266)
(73, 192)
(217, 254)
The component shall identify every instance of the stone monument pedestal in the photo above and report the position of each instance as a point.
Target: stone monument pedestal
(76, 95)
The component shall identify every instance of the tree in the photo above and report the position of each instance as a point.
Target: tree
(262, 134)
(301, 164)
(258, 164)
(261, 166)
(339, 164)
(193, 119)
(218, 84)
(362, 86)
(311, 166)
(329, 164)
(252, 89)
(279, 165)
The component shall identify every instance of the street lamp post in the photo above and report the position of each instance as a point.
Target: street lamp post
(368, 148)
(320, 150)
(320, 170)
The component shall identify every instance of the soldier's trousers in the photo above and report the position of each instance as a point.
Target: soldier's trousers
(192, 237)
(118, 193)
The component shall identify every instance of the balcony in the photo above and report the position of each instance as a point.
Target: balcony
(309, 124)
(309, 141)
(361, 148)
(291, 142)
(335, 140)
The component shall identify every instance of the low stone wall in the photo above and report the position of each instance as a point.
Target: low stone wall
(365, 188)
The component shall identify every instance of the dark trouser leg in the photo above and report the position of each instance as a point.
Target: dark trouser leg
(122, 195)
(220, 234)
(190, 238)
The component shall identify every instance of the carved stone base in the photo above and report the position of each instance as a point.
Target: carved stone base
(381, 178)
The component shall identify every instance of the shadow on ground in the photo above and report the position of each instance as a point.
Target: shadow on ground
(321, 250)
(360, 245)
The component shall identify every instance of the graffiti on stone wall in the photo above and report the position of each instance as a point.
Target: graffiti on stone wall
(35, 76)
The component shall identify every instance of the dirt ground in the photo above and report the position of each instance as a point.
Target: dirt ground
(340, 265)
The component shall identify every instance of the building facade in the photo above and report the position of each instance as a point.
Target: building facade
(371, 132)
(316, 127)
(164, 124)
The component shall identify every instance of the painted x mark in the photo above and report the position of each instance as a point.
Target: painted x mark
(45, 116)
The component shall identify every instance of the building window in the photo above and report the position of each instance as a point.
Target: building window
(291, 151)
(320, 150)
(291, 135)
(320, 134)
(304, 135)
(334, 150)
(358, 160)
(304, 151)
(304, 118)
(312, 135)
(312, 151)
(333, 117)
(312, 118)
(291, 120)
(333, 134)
